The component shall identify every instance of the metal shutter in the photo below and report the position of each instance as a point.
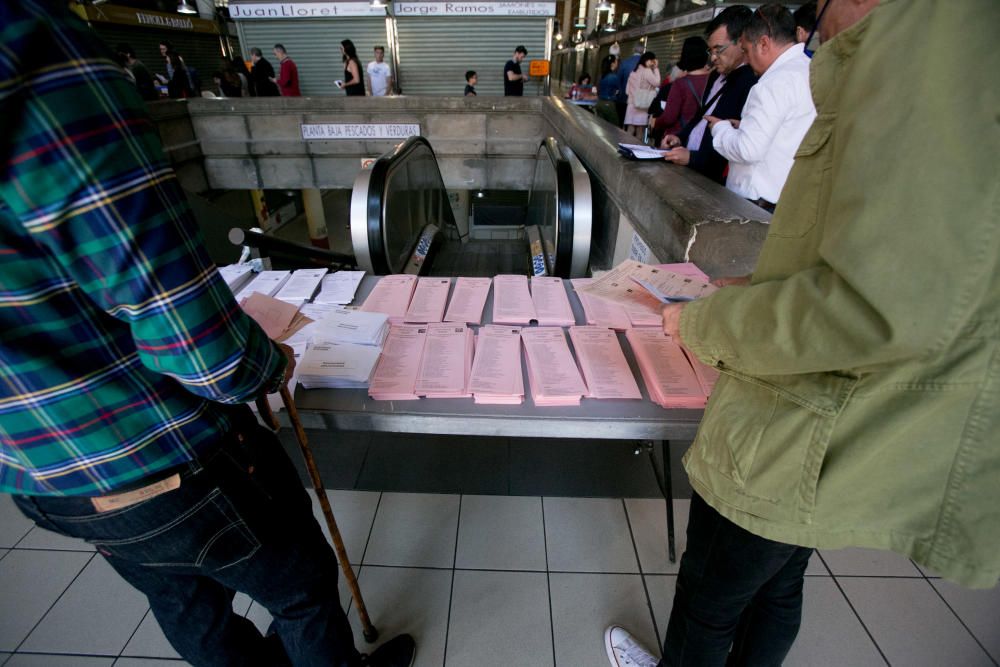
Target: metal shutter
(667, 45)
(200, 50)
(435, 53)
(314, 45)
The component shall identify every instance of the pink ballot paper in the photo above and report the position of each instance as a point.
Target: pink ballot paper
(551, 304)
(395, 376)
(603, 363)
(552, 372)
(707, 375)
(689, 269)
(274, 317)
(429, 299)
(468, 300)
(511, 300)
(496, 372)
(447, 359)
(600, 312)
(391, 296)
(668, 375)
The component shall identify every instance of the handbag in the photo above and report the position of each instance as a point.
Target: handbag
(643, 98)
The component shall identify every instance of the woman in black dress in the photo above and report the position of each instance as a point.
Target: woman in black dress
(354, 83)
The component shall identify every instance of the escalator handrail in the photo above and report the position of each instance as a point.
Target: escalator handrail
(272, 245)
(564, 208)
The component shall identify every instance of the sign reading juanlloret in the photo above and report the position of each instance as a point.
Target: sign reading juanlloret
(301, 10)
(485, 8)
(360, 130)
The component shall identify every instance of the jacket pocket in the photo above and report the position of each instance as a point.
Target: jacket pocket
(807, 189)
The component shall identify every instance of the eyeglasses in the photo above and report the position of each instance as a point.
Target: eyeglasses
(716, 51)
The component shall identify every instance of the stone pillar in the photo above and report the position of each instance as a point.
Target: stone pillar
(566, 25)
(312, 200)
(206, 9)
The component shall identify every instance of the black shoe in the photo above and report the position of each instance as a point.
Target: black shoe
(397, 652)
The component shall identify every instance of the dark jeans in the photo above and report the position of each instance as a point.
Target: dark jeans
(240, 521)
(739, 596)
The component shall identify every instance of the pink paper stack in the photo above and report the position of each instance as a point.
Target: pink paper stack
(707, 376)
(468, 300)
(395, 377)
(496, 372)
(447, 362)
(668, 375)
(600, 312)
(551, 304)
(391, 296)
(428, 301)
(552, 372)
(512, 301)
(603, 363)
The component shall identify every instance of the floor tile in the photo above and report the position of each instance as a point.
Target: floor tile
(856, 562)
(414, 530)
(499, 619)
(649, 526)
(588, 535)
(926, 571)
(149, 641)
(97, 614)
(501, 533)
(816, 567)
(421, 463)
(53, 660)
(354, 512)
(13, 524)
(978, 609)
(583, 605)
(406, 600)
(39, 538)
(31, 582)
(831, 633)
(911, 624)
(661, 598)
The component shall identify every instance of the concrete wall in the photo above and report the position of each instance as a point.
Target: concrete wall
(480, 143)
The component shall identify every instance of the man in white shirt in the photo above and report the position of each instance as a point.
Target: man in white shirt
(379, 74)
(779, 109)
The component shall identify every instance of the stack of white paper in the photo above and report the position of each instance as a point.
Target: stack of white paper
(552, 373)
(605, 369)
(668, 375)
(395, 377)
(339, 288)
(428, 301)
(496, 372)
(236, 276)
(512, 301)
(317, 311)
(391, 296)
(446, 363)
(354, 326)
(600, 312)
(328, 364)
(301, 286)
(551, 304)
(468, 300)
(266, 282)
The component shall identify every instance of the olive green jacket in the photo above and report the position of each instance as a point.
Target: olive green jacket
(859, 402)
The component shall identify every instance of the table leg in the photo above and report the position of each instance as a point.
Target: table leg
(665, 482)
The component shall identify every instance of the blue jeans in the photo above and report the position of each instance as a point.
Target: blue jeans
(738, 599)
(240, 521)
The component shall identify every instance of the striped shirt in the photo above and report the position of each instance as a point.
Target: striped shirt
(120, 345)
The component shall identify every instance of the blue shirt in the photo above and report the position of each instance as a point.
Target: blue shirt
(608, 88)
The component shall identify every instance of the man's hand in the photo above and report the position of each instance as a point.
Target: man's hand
(672, 320)
(712, 120)
(678, 155)
(732, 281)
(670, 141)
(290, 369)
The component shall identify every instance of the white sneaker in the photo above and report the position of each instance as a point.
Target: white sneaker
(624, 651)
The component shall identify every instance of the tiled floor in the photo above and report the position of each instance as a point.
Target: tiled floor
(505, 581)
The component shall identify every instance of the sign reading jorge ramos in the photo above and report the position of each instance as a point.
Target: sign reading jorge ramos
(486, 8)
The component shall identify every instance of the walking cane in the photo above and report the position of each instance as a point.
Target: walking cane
(369, 631)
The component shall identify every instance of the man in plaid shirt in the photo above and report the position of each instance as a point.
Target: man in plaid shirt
(125, 363)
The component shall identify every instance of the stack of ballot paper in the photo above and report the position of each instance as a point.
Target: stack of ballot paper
(395, 377)
(300, 286)
(317, 311)
(468, 300)
(428, 301)
(552, 373)
(496, 371)
(391, 296)
(265, 282)
(600, 312)
(668, 374)
(236, 276)
(552, 307)
(339, 288)
(605, 369)
(353, 326)
(329, 364)
(511, 300)
(707, 376)
(278, 319)
(446, 363)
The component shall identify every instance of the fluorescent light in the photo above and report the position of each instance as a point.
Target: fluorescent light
(378, 4)
(603, 6)
(184, 8)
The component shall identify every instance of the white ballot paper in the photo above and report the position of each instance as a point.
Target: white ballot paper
(334, 365)
(339, 288)
(391, 296)
(511, 300)
(395, 376)
(552, 372)
(446, 363)
(468, 300)
(551, 303)
(301, 286)
(496, 372)
(428, 301)
(236, 276)
(605, 369)
(353, 326)
(266, 282)
(621, 285)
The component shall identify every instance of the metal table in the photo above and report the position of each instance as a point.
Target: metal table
(643, 421)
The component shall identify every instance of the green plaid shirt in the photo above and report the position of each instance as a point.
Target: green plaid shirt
(119, 342)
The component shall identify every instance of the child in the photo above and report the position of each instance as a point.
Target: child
(470, 83)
